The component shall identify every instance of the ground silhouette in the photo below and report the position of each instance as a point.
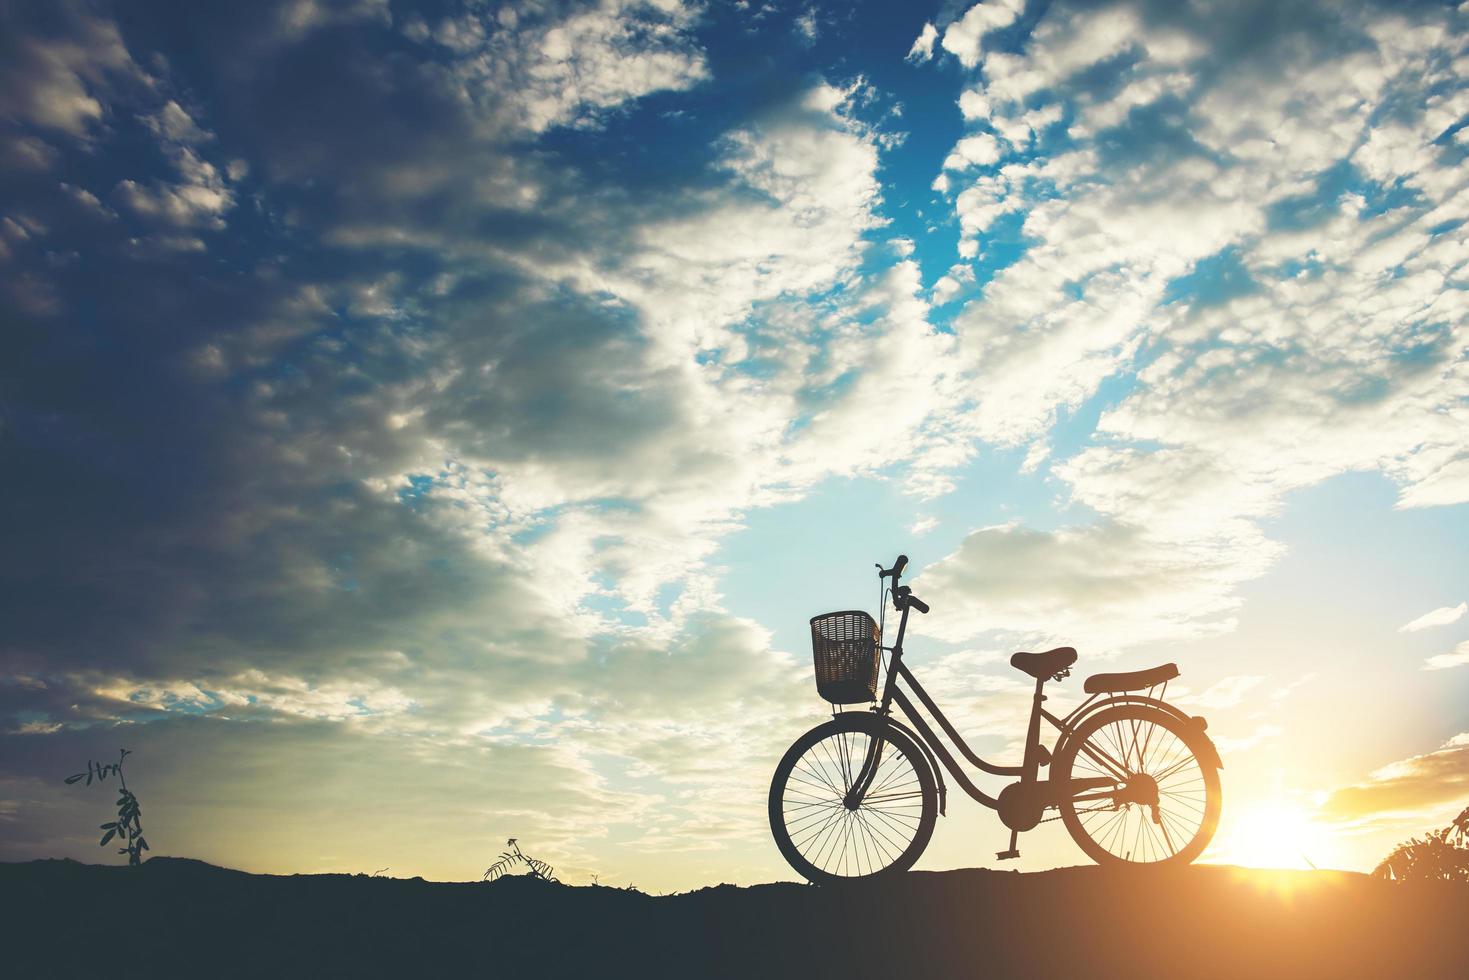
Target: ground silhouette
(178, 917)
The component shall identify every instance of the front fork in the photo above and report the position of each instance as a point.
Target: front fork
(862, 783)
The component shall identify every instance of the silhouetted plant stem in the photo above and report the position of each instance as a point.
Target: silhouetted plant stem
(128, 827)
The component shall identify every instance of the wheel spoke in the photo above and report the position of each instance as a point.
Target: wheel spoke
(916, 794)
(1174, 768)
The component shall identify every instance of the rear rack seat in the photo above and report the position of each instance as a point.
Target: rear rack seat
(1132, 681)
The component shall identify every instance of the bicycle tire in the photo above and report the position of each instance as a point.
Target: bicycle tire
(870, 837)
(1199, 803)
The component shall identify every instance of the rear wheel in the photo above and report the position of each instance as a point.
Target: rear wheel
(823, 837)
(1161, 801)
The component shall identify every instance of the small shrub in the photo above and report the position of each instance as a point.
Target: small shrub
(1440, 855)
(128, 827)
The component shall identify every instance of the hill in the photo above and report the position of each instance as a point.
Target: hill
(175, 917)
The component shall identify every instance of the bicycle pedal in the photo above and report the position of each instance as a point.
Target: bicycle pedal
(1007, 855)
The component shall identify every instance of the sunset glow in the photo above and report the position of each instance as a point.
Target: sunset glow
(1272, 834)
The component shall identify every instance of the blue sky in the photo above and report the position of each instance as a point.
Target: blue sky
(479, 399)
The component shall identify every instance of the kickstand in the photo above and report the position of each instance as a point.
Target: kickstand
(1012, 852)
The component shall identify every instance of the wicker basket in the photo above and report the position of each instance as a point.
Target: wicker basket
(846, 649)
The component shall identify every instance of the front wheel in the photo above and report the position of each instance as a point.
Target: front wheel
(1146, 791)
(823, 831)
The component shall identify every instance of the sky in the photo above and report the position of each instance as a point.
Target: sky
(428, 424)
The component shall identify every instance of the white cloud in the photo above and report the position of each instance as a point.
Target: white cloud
(1442, 616)
(963, 37)
(922, 48)
(1443, 661)
(979, 150)
(1138, 93)
(973, 105)
(1061, 47)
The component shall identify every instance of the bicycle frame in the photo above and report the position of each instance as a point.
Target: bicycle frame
(1035, 754)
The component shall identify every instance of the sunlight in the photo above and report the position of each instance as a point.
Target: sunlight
(1272, 834)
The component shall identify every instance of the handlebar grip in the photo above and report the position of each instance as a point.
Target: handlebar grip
(899, 565)
(918, 604)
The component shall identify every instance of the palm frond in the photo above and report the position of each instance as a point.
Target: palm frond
(508, 859)
(506, 862)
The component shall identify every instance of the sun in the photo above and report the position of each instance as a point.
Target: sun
(1272, 834)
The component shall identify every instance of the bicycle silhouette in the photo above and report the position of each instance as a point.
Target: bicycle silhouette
(1134, 779)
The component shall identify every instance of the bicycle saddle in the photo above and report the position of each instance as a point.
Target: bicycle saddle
(1043, 665)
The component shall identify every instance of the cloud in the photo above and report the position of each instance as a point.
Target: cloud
(174, 124)
(972, 105)
(922, 49)
(1101, 587)
(1263, 734)
(1229, 691)
(980, 150)
(1443, 661)
(1442, 616)
(963, 37)
(1421, 788)
(59, 72)
(523, 68)
(335, 396)
(1181, 187)
(198, 199)
(806, 26)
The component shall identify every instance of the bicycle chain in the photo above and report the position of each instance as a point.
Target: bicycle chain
(1056, 817)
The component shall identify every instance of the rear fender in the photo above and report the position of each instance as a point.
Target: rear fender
(1197, 722)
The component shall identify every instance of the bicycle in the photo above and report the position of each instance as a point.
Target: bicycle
(1134, 779)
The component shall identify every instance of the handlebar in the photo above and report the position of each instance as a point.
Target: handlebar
(903, 597)
(896, 571)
